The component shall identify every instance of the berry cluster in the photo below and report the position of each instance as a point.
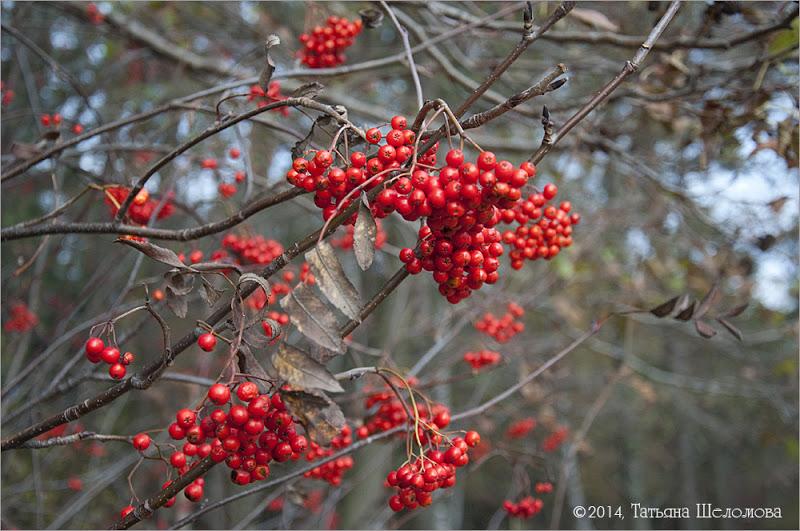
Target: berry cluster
(482, 358)
(225, 187)
(390, 413)
(543, 229)
(247, 436)
(504, 328)
(554, 440)
(521, 428)
(252, 250)
(97, 351)
(21, 318)
(416, 480)
(94, 14)
(525, 508)
(142, 207)
(332, 471)
(7, 94)
(48, 120)
(543, 487)
(324, 46)
(272, 95)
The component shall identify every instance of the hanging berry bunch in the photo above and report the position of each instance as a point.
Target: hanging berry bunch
(324, 46)
(390, 411)
(527, 507)
(21, 318)
(482, 358)
(97, 351)
(142, 207)
(247, 435)
(332, 471)
(504, 328)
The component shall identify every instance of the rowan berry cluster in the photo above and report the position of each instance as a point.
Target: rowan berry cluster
(97, 351)
(247, 436)
(543, 487)
(555, 439)
(391, 412)
(543, 229)
(525, 508)
(48, 120)
(482, 358)
(7, 94)
(324, 46)
(21, 318)
(416, 480)
(252, 250)
(521, 428)
(332, 471)
(143, 206)
(272, 95)
(504, 328)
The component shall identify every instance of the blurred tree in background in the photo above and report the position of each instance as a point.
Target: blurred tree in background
(685, 177)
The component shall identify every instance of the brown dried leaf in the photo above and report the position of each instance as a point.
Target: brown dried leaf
(209, 293)
(332, 281)
(177, 302)
(686, 313)
(300, 371)
(25, 151)
(157, 253)
(313, 318)
(736, 311)
(180, 283)
(364, 235)
(253, 366)
(735, 332)
(594, 18)
(320, 416)
(704, 329)
(269, 64)
(707, 301)
(664, 309)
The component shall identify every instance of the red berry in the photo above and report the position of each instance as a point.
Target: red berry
(248, 390)
(207, 341)
(141, 441)
(110, 355)
(185, 418)
(472, 438)
(117, 371)
(219, 394)
(399, 122)
(94, 346)
(126, 511)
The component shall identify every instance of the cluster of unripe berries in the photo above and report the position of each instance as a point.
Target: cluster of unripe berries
(324, 46)
(97, 351)
(142, 207)
(543, 228)
(272, 95)
(415, 481)
(248, 436)
(482, 358)
(527, 507)
(390, 413)
(332, 471)
(505, 327)
(21, 319)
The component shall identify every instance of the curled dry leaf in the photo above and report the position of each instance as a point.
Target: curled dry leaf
(704, 329)
(299, 370)
(320, 416)
(364, 234)
(313, 318)
(686, 313)
(707, 301)
(209, 293)
(157, 253)
(269, 64)
(734, 331)
(664, 309)
(332, 281)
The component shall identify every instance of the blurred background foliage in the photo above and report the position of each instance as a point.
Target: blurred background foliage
(687, 175)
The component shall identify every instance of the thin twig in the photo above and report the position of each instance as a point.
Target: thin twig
(409, 54)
